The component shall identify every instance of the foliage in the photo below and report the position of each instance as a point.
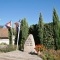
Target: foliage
(40, 29)
(7, 48)
(56, 29)
(33, 29)
(50, 54)
(48, 40)
(59, 36)
(10, 35)
(49, 33)
(13, 31)
(23, 33)
(39, 48)
(3, 43)
(16, 35)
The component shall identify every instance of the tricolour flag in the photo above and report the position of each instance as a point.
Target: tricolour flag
(17, 24)
(8, 25)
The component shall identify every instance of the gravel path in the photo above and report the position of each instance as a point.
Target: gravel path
(18, 55)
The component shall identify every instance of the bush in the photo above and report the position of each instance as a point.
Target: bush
(39, 48)
(50, 55)
(3, 44)
(8, 48)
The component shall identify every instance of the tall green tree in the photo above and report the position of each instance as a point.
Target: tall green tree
(40, 29)
(10, 36)
(23, 33)
(59, 35)
(56, 29)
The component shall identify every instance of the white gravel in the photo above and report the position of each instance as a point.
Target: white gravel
(18, 55)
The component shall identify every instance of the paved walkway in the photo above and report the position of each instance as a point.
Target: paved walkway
(18, 55)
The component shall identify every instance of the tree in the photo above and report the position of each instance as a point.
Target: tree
(48, 36)
(40, 29)
(16, 35)
(56, 29)
(59, 35)
(23, 33)
(10, 36)
(33, 29)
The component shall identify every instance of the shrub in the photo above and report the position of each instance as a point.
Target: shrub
(3, 44)
(39, 48)
(8, 48)
(50, 55)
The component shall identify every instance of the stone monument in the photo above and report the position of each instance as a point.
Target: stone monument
(29, 45)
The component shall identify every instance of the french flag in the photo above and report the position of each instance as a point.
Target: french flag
(8, 25)
(17, 24)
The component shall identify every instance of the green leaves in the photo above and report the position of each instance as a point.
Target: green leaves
(10, 36)
(56, 29)
(23, 33)
(40, 29)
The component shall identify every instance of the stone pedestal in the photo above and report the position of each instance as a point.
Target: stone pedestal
(29, 44)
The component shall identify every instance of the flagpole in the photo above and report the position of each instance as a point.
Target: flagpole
(12, 31)
(18, 35)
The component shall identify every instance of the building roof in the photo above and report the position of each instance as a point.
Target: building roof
(3, 33)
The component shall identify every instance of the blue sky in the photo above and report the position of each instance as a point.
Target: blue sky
(30, 9)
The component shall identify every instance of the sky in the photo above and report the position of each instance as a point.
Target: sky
(16, 10)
